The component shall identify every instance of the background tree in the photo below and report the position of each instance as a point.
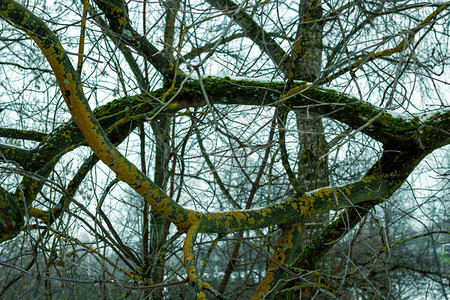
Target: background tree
(330, 114)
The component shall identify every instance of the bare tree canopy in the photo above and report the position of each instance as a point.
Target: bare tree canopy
(220, 149)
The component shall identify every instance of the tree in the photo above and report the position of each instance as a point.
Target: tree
(337, 106)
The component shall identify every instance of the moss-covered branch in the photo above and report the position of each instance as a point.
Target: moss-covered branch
(70, 86)
(120, 114)
(11, 217)
(14, 154)
(411, 139)
(30, 135)
(399, 131)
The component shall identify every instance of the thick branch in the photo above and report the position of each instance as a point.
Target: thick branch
(22, 134)
(378, 184)
(386, 175)
(70, 86)
(11, 218)
(401, 132)
(396, 132)
(14, 154)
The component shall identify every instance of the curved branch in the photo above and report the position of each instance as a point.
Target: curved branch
(189, 261)
(70, 86)
(379, 182)
(283, 245)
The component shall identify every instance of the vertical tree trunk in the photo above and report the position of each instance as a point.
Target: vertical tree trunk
(312, 161)
(312, 165)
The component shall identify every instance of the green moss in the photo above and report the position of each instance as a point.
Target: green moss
(11, 219)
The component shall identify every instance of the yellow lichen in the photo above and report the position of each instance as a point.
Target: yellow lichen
(206, 285)
(201, 295)
(264, 286)
(347, 190)
(191, 274)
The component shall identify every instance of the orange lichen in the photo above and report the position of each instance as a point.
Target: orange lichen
(264, 286)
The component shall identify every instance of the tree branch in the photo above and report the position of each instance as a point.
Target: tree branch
(254, 32)
(70, 86)
(22, 134)
(115, 12)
